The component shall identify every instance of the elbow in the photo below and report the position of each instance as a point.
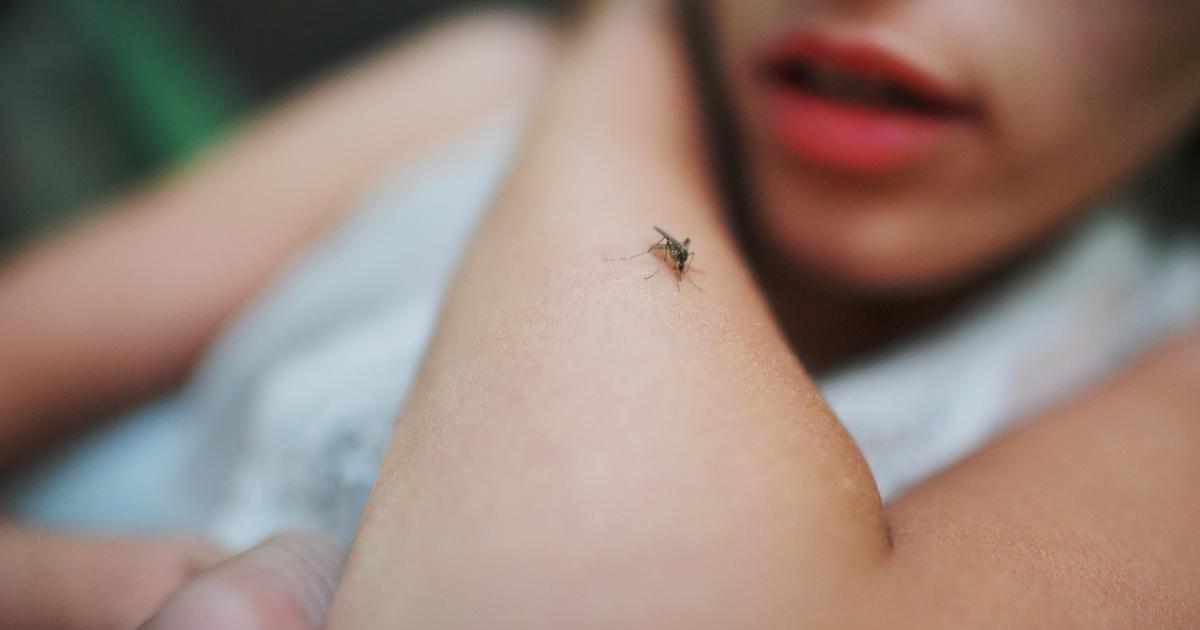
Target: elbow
(601, 531)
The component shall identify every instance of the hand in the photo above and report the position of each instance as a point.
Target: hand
(287, 583)
(69, 581)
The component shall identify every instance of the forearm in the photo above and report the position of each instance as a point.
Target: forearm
(588, 449)
(121, 307)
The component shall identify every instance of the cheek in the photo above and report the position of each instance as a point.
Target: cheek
(1090, 89)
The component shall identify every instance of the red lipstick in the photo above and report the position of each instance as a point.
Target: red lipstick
(856, 107)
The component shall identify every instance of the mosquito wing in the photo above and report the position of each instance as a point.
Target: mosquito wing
(674, 241)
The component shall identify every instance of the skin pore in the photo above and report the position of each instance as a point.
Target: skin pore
(586, 449)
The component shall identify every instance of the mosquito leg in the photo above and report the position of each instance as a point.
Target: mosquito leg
(629, 257)
(658, 245)
(653, 274)
(688, 267)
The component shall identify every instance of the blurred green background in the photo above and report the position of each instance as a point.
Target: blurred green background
(98, 94)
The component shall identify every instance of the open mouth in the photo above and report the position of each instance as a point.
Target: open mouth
(855, 106)
(851, 86)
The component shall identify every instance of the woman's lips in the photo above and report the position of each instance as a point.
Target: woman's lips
(855, 106)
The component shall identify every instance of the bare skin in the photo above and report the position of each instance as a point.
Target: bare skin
(285, 583)
(119, 308)
(589, 447)
(56, 580)
(587, 450)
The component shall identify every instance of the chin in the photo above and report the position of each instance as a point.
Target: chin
(875, 256)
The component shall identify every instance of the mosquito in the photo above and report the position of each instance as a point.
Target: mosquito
(678, 255)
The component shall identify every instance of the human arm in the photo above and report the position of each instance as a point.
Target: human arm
(581, 439)
(586, 449)
(120, 307)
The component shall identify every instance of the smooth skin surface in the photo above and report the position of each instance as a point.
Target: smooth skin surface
(54, 580)
(586, 449)
(286, 583)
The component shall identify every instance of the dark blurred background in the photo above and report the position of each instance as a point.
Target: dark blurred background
(97, 94)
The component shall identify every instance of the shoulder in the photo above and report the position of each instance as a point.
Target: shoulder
(514, 47)
(499, 35)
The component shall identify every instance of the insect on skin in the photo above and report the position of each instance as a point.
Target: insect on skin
(679, 256)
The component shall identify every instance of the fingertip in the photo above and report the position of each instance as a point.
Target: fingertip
(285, 583)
